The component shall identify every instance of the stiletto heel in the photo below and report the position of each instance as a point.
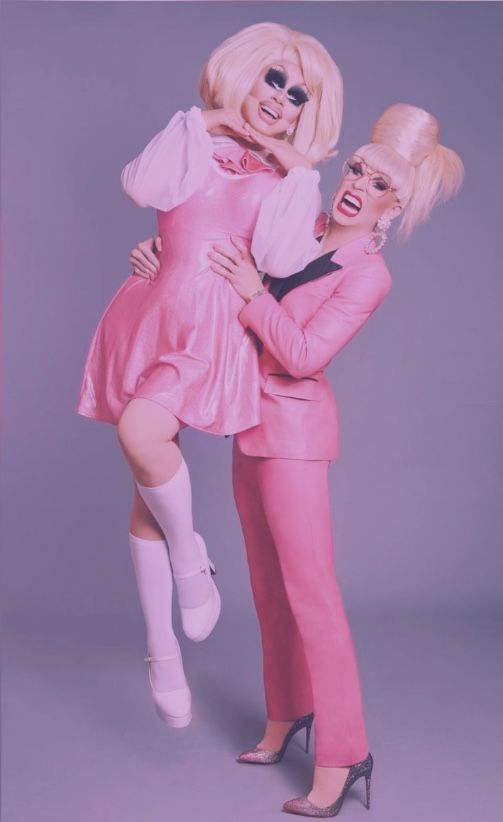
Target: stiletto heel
(308, 731)
(367, 785)
(259, 756)
(303, 807)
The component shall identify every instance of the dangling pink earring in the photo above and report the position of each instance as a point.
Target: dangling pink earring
(290, 131)
(379, 235)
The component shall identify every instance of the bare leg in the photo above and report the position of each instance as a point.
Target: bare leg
(147, 434)
(274, 735)
(327, 785)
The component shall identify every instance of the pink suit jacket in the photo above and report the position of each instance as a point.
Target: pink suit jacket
(301, 335)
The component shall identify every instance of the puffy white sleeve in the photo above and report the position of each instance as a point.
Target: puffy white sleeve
(173, 165)
(283, 240)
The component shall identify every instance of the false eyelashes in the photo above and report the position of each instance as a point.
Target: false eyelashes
(297, 96)
(276, 78)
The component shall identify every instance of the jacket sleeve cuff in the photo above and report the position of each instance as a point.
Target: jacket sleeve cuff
(252, 312)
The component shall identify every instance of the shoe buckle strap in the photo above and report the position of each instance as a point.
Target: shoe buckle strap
(202, 570)
(149, 658)
(190, 574)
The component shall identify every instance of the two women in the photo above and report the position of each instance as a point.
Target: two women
(181, 350)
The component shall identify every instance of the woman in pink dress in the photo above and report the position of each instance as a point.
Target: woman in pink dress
(173, 353)
(280, 467)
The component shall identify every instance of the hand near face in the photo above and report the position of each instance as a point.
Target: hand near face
(283, 152)
(144, 259)
(225, 121)
(237, 265)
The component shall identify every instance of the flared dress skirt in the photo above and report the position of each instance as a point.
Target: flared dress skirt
(178, 340)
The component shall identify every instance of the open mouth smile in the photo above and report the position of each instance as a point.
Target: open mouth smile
(349, 204)
(270, 112)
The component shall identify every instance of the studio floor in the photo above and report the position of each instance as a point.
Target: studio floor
(83, 744)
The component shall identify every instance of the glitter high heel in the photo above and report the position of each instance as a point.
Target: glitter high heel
(303, 807)
(259, 756)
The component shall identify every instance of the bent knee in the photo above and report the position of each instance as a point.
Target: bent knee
(133, 437)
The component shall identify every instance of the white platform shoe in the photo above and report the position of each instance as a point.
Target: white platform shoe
(173, 707)
(199, 621)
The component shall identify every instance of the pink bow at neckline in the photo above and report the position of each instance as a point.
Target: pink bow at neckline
(247, 163)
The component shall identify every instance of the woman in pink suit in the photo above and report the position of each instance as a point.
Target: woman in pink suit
(173, 353)
(280, 467)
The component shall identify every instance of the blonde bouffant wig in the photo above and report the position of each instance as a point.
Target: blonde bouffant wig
(235, 65)
(405, 144)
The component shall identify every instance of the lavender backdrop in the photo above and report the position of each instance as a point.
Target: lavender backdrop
(415, 493)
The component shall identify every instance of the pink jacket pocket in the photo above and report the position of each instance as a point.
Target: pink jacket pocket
(282, 385)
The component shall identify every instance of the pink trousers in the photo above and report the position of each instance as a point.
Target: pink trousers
(309, 660)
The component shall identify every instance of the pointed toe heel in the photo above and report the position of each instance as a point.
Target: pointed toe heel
(260, 756)
(303, 807)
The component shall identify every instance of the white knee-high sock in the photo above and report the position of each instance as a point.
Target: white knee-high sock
(171, 505)
(155, 587)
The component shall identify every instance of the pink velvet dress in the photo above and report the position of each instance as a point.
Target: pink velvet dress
(177, 340)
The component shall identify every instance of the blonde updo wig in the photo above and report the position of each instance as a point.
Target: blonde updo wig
(406, 146)
(235, 65)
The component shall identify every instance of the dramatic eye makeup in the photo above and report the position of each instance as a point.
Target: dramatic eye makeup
(355, 168)
(377, 183)
(297, 96)
(277, 78)
(380, 184)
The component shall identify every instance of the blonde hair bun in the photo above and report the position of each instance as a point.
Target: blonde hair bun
(405, 144)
